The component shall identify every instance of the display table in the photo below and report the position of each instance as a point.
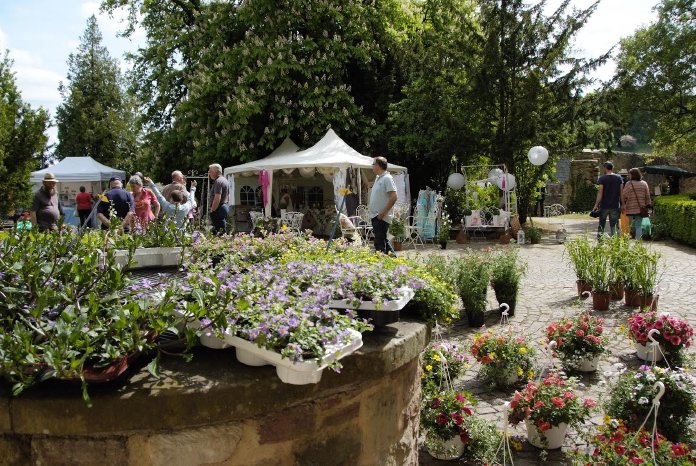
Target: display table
(216, 410)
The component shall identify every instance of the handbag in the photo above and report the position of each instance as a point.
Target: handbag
(594, 213)
(643, 209)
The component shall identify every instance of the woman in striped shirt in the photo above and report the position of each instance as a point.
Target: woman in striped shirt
(636, 194)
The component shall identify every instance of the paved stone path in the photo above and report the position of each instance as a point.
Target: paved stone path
(548, 293)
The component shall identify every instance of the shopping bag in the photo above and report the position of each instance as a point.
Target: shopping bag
(624, 224)
(647, 226)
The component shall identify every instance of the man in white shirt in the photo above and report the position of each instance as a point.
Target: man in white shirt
(382, 200)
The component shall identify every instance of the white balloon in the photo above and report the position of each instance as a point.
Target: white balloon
(494, 175)
(456, 181)
(507, 182)
(538, 155)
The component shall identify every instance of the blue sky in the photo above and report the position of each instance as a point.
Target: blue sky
(40, 34)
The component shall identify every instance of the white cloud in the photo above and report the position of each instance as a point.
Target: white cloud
(3, 40)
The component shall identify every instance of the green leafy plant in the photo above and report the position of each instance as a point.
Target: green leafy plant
(579, 251)
(445, 226)
(506, 270)
(632, 394)
(533, 234)
(472, 278)
(599, 272)
(397, 229)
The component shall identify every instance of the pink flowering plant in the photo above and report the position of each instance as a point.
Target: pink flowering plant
(616, 445)
(549, 403)
(675, 333)
(577, 338)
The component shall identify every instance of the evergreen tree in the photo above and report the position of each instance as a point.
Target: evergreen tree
(96, 116)
(22, 141)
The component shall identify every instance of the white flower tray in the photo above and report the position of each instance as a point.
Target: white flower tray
(394, 305)
(150, 257)
(295, 373)
(208, 337)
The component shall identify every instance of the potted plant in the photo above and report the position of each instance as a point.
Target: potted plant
(646, 275)
(615, 444)
(505, 359)
(631, 398)
(579, 252)
(548, 408)
(533, 234)
(441, 363)
(579, 341)
(472, 284)
(618, 250)
(673, 335)
(600, 277)
(506, 270)
(398, 230)
(443, 233)
(452, 431)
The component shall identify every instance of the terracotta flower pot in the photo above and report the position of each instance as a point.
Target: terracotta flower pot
(600, 300)
(582, 287)
(631, 298)
(649, 301)
(397, 245)
(462, 237)
(505, 238)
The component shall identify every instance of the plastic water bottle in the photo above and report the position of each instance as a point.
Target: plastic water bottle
(520, 237)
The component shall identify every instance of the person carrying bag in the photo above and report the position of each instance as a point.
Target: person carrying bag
(636, 200)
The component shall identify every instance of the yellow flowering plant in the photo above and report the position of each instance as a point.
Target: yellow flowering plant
(505, 359)
(439, 360)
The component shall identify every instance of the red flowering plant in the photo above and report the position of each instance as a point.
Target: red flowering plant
(675, 333)
(549, 403)
(443, 415)
(615, 445)
(577, 338)
(503, 357)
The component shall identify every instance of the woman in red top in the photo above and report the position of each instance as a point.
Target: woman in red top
(146, 206)
(84, 206)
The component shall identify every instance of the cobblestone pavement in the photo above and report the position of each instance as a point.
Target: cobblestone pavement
(548, 292)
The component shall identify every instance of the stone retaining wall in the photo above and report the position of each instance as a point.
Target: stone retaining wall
(217, 411)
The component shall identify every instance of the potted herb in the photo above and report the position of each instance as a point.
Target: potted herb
(579, 341)
(618, 250)
(443, 233)
(505, 359)
(472, 279)
(631, 398)
(600, 277)
(506, 270)
(398, 230)
(548, 408)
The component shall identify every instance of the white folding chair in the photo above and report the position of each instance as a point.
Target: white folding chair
(413, 233)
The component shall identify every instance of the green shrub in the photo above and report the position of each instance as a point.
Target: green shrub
(585, 194)
(676, 217)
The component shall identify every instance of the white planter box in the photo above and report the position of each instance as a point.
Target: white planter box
(394, 305)
(150, 257)
(208, 337)
(295, 373)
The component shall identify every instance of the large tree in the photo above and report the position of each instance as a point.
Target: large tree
(528, 86)
(227, 81)
(656, 75)
(436, 118)
(96, 117)
(22, 140)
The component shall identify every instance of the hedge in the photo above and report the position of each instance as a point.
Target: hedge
(675, 216)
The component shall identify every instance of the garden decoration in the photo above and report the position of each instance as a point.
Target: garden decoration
(505, 440)
(538, 155)
(456, 181)
(654, 409)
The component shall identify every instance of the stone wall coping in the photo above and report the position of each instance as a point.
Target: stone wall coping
(213, 388)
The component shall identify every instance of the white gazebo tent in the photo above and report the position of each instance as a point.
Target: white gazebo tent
(73, 172)
(331, 157)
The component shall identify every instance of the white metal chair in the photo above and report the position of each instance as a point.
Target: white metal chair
(413, 233)
(365, 222)
(557, 223)
(293, 220)
(253, 218)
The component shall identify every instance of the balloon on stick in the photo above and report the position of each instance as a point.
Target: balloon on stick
(507, 182)
(538, 155)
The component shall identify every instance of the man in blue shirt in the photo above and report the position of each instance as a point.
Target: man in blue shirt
(608, 200)
(382, 200)
(118, 199)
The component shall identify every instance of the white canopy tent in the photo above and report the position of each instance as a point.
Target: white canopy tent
(331, 156)
(78, 169)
